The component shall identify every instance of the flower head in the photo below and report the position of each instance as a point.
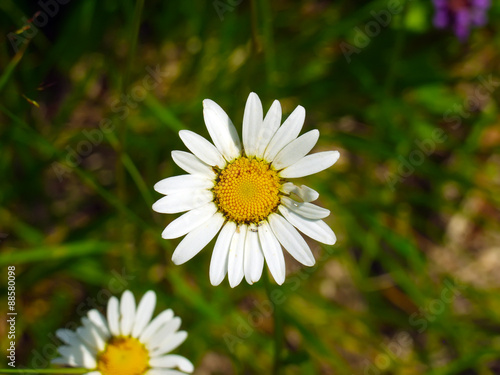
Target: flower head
(127, 342)
(243, 191)
(461, 15)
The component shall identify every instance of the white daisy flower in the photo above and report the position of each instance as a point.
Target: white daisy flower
(127, 341)
(244, 190)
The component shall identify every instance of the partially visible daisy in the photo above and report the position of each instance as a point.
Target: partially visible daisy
(127, 342)
(244, 190)
(461, 15)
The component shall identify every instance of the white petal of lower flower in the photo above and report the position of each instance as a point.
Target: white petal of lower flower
(65, 350)
(170, 343)
(291, 240)
(69, 361)
(86, 359)
(113, 313)
(191, 164)
(189, 221)
(269, 127)
(171, 361)
(203, 149)
(307, 210)
(218, 264)
(93, 373)
(305, 193)
(286, 133)
(164, 332)
(316, 229)
(235, 270)
(87, 339)
(197, 239)
(221, 130)
(254, 258)
(91, 335)
(59, 361)
(272, 252)
(100, 322)
(160, 371)
(79, 356)
(296, 150)
(127, 312)
(252, 123)
(311, 164)
(100, 335)
(155, 325)
(184, 201)
(176, 184)
(68, 337)
(144, 313)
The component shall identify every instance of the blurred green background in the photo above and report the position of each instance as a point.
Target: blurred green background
(412, 285)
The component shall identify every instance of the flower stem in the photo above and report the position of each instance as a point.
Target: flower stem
(278, 328)
(46, 371)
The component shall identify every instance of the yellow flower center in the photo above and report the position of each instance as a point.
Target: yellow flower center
(123, 356)
(247, 190)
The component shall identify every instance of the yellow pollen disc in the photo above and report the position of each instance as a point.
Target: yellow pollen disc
(247, 190)
(123, 356)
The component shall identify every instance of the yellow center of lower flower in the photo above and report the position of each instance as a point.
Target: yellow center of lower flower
(123, 356)
(247, 190)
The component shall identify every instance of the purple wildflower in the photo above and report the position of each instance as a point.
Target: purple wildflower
(460, 15)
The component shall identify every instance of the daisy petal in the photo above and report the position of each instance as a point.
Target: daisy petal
(79, 356)
(155, 325)
(286, 133)
(91, 335)
(218, 264)
(202, 148)
(235, 257)
(222, 130)
(160, 371)
(272, 252)
(166, 330)
(69, 360)
(100, 322)
(176, 184)
(252, 123)
(68, 337)
(144, 313)
(191, 164)
(197, 239)
(291, 240)
(127, 312)
(93, 373)
(87, 339)
(60, 361)
(295, 150)
(113, 314)
(86, 359)
(183, 201)
(254, 258)
(66, 351)
(305, 193)
(170, 344)
(307, 210)
(269, 127)
(189, 221)
(316, 229)
(311, 164)
(171, 361)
